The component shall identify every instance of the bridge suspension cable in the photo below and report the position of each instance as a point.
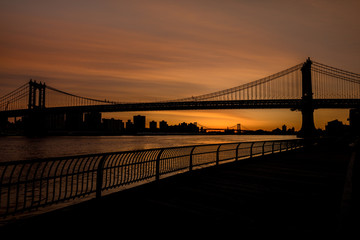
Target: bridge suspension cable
(282, 85)
(17, 99)
(61, 98)
(334, 83)
(337, 71)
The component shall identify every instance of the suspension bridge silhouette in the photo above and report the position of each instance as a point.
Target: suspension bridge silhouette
(305, 87)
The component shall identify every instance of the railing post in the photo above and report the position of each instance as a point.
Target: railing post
(191, 159)
(280, 145)
(263, 148)
(287, 145)
(157, 175)
(237, 152)
(251, 149)
(217, 155)
(272, 147)
(99, 176)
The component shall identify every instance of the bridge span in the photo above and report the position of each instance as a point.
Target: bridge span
(304, 87)
(294, 104)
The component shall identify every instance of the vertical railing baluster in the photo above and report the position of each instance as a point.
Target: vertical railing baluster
(34, 185)
(68, 175)
(80, 188)
(237, 152)
(92, 168)
(26, 183)
(124, 168)
(17, 195)
(287, 145)
(263, 148)
(1, 184)
(54, 180)
(41, 182)
(217, 155)
(191, 159)
(99, 176)
(112, 164)
(47, 181)
(157, 174)
(251, 149)
(60, 180)
(75, 173)
(9, 190)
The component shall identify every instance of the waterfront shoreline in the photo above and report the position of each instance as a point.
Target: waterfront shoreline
(259, 191)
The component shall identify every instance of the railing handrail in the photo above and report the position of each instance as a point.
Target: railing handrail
(11, 162)
(30, 184)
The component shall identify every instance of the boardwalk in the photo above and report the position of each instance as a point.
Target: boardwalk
(290, 193)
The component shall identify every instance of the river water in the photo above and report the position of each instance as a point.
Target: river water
(14, 148)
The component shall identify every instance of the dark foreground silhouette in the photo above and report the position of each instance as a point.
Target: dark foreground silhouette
(291, 194)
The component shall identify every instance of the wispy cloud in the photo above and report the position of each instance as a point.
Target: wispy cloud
(155, 50)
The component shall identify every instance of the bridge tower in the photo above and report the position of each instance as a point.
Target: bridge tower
(35, 120)
(33, 88)
(308, 127)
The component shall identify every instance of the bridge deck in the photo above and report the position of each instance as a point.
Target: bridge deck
(293, 193)
(189, 105)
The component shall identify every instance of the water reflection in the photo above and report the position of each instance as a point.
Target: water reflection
(20, 148)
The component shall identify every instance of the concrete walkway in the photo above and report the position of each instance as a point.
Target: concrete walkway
(292, 194)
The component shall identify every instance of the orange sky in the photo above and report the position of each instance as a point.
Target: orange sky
(158, 50)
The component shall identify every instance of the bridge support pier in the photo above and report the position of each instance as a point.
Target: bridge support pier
(35, 124)
(308, 131)
(3, 124)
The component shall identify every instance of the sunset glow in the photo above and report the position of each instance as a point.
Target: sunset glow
(141, 51)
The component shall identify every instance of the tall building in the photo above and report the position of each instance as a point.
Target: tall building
(139, 123)
(129, 126)
(163, 125)
(334, 128)
(153, 125)
(354, 120)
(113, 125)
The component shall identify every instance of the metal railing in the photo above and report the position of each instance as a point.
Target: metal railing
(30, 184)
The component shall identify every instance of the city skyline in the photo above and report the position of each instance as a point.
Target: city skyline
(95, 123)
(160, 50)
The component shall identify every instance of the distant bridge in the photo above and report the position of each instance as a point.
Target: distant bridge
(305, 87)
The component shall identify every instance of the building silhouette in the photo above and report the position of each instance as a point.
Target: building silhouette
(113, 125)
(92, 121)
(334, 128)
(153, 126)
(185, 128)
(139, 123)
(163, 126)
(129, 126)
(354, 121)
